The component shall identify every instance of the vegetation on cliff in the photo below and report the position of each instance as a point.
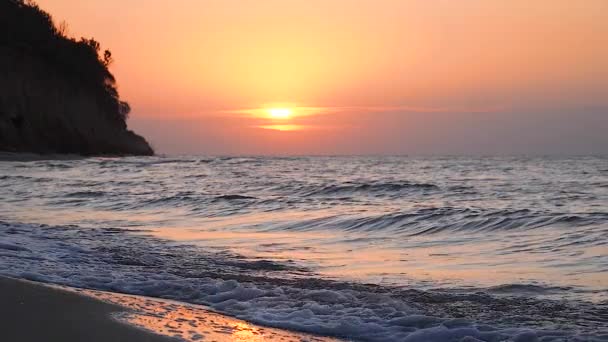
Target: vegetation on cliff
(36, 53)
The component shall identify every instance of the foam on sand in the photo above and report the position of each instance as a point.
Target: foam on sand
(189, 322)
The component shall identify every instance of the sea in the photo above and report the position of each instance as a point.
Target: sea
(363, 248)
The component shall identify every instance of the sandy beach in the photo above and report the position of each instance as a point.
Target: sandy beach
(36, 312)
(32, 312)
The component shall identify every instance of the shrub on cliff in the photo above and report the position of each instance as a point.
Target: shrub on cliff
(26, 27)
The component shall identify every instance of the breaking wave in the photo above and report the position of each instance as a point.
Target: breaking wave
(286, 296)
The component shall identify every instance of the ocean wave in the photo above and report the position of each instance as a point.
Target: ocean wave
(263, 293)
(235, 197)
(25, 178)
(433, 219)
(140, 162)
(380, 188)
(427, 221)
(523, 289)
(86, 194)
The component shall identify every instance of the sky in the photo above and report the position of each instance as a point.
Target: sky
(284, 77)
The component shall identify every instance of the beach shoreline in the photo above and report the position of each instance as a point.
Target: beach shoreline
(33, 311)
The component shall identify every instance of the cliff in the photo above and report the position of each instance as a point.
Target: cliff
(56, 93)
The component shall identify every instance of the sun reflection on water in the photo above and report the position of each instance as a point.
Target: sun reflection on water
(193, 322)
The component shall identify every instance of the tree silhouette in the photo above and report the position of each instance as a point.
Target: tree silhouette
(107, 58)
(27, 28)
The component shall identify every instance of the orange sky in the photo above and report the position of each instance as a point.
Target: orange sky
(419, 76)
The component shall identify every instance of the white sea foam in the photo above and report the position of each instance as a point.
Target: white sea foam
(121, 261)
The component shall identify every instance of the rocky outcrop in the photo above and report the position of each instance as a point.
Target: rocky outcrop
(43, 112)
(56, 95)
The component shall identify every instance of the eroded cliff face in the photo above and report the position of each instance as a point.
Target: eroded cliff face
(42, 111)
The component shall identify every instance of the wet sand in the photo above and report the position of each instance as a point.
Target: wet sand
(32, 312)
(35, 312)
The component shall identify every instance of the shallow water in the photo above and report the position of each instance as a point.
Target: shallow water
(191, 323)
(343, 246)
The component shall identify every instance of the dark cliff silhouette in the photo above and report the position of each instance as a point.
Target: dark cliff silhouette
(56, 93)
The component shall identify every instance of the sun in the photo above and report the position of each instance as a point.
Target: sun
(279, 113)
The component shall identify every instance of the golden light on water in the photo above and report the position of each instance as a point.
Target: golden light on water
(191, 322)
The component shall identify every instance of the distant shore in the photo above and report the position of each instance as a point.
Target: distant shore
(35, 312)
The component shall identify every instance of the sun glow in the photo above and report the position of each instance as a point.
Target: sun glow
(279, 113)
(285, 117)
(283, 128)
